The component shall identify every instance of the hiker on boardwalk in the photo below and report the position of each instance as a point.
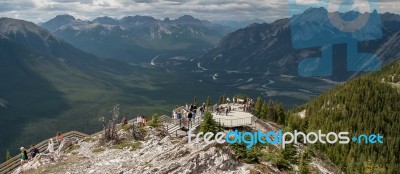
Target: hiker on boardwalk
(139, 120)
(180, 118)
(59, 137)
(24, 156)
(144, 120)
(34, 155)
(201, 109)
(60, 140)
(194, 115)
(189, 116)
(33, 152)
(191, 107)
(175, 116)
(50, 146)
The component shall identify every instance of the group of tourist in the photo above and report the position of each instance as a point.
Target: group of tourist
(33, 153)
(141, 120)
(221, 109)
(187, 114)
(248, 106)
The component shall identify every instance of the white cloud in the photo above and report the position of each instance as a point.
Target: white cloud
(43, 10)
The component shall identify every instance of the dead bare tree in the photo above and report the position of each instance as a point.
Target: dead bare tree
(110, 130)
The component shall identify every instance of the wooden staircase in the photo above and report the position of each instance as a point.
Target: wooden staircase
(172, 126)
(13, 163)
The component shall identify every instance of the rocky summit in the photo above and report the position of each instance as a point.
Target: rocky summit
(158, 153)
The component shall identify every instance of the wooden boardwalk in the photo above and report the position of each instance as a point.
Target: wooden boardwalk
(13, 163)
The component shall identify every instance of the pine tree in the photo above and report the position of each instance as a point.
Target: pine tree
(208, 103)
(8, 155)
(258, 106)
(305, 159)
(281, 114)
(195, 101)
(264, 112)
(209, 124)
(155, 121)
(368, 167)
(290, 153)
(221, 100)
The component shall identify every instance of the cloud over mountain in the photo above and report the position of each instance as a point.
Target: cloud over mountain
(268, 10)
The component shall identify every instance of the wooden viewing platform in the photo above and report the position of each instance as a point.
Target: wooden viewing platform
(236, 118)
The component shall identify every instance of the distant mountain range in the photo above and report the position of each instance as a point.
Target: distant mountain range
(268, 47)
(237, 24)
(138, 38)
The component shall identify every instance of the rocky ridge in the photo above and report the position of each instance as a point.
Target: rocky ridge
(158, 153)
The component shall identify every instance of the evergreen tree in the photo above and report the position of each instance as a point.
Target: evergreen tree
(221, 100)
(195, 101)
(290, 153)
(368, 167)
(208, 103)
(155, 121)
(281, 114)
(209, 124)
(305, 159)
(8, 155)
(272, 112)
(258, 106)
(264, 112)
(251, 155)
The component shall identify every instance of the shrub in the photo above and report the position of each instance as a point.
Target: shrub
(88, 139)
(98, 150)
(252, 155)
(126, 127)
(155, 121)
(209, 124)
(72, 148)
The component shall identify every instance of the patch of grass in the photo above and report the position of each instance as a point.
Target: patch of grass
(143, 131)
(88, 139)
(73, 147)
(126, 127)
(133, 146)
(98, 150)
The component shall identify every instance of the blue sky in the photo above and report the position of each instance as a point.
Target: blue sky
(268, 10)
